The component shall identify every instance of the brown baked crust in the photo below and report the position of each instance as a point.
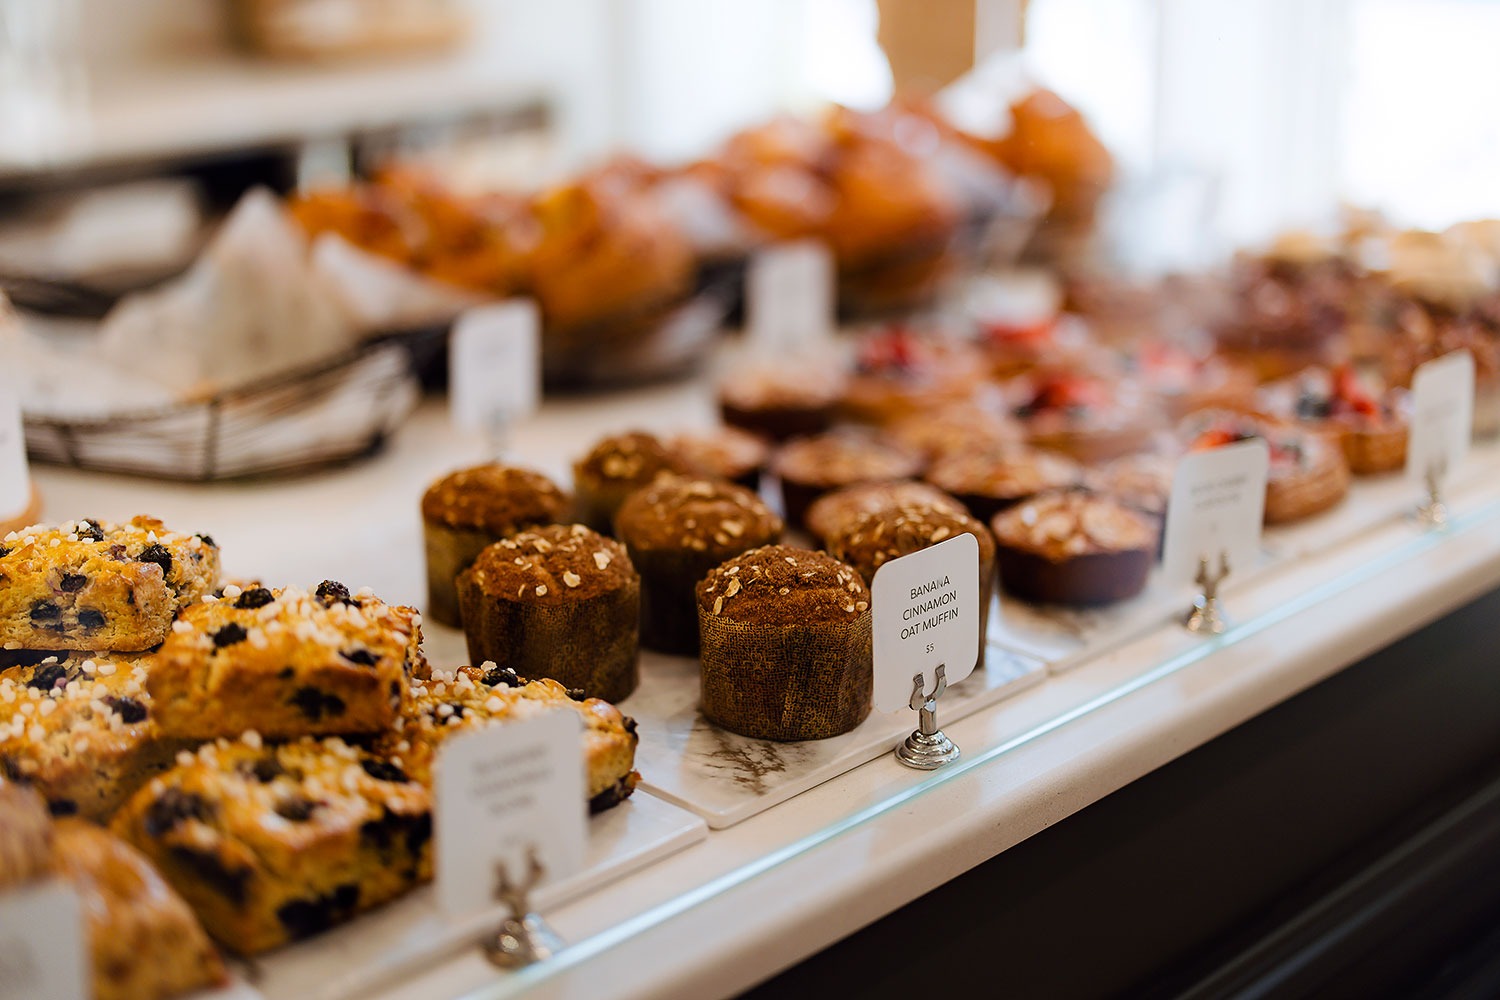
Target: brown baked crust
(82, 730)
(723, 453)
(494, 498)
(25, 835)
(450, 703)
(286, 663)
(616, 467)
(270, 844)
(786, 645)
(810, 467)
(466, 511)
(561, 601)
(954, 427)
(1074, 547)
(989, 479)
(144, 941)
(91, 585)
(833, 513)
(676, 530)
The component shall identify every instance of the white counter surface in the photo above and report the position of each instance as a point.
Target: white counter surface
(760, 896)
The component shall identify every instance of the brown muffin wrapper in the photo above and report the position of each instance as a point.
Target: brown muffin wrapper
(796, 498)
(590, 644)
(780, 423)
(450, 551)
(669, 602)
(1292, 498)
(1090, 579)
(787, 682)
(1372, 452)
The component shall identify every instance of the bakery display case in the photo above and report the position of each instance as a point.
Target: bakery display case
(558, 658)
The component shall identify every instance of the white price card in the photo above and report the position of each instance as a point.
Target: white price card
(494, 365)
(1217, 508)
(15, 475)
(503, 792)
(42, 938)
(926, 610)
(1442, 416)
(789, 297)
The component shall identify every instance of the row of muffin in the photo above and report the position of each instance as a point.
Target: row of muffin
(229, 733)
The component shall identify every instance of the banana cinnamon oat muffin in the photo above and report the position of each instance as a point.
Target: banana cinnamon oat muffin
(676, 530)
(469, 509)
(811, 467)
(883, 535)
(1074, 547)
(786, 645)
(724, 453)
(833, 513)
(560, 601)
(990, 478)
(614, 469)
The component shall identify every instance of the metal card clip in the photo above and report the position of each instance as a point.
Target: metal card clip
(1433, 512)
(927, 748)
(1207, 615)
(524, 937)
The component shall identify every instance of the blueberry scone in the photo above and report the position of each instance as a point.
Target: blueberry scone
(80, 729)
(90, 585)
(286, 663)
(450, 703)
(144, 942)
(273, 844)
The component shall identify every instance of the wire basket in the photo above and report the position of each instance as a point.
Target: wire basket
(334, 412)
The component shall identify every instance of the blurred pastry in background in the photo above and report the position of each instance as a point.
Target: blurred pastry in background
(727, 453)
(899, 373)
(1091, 417)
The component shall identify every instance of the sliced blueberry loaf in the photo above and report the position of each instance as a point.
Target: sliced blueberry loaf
(272, 844)
(286, 663)
(80, 729)
(447, 704)
(90, 585)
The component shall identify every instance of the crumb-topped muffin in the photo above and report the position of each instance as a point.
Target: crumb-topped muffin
(560, 601)
(834, 513)
(92, 585)
(469, 509)
(676, 530)
(786, 645)
(81, 730)
(615, 468)
(810, 467)
(781, 403)
(1073, 547)
(144, 941)
(988, 479)
(286, 663)
(270, 844)
(882, 535)
(450, 703)
(724, 453)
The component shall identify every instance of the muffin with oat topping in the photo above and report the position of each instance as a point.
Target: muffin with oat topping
(811, 467)
(676, 530)
(990, 478)
(560, 601)
(786, 645)
(724, 453)
(834, 513)
(615, 468)
(880, 536)
(1073, 547)
(469, 509)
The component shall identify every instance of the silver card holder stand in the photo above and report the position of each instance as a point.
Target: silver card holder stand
(927, 748)
(1207, 616)
(524, 938)
(1432, 514)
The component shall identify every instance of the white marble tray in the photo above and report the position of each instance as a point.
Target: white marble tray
(404, 936)
(727, 778)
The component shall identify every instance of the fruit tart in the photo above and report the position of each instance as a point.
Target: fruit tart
(1371, 427)
(1308, 472)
